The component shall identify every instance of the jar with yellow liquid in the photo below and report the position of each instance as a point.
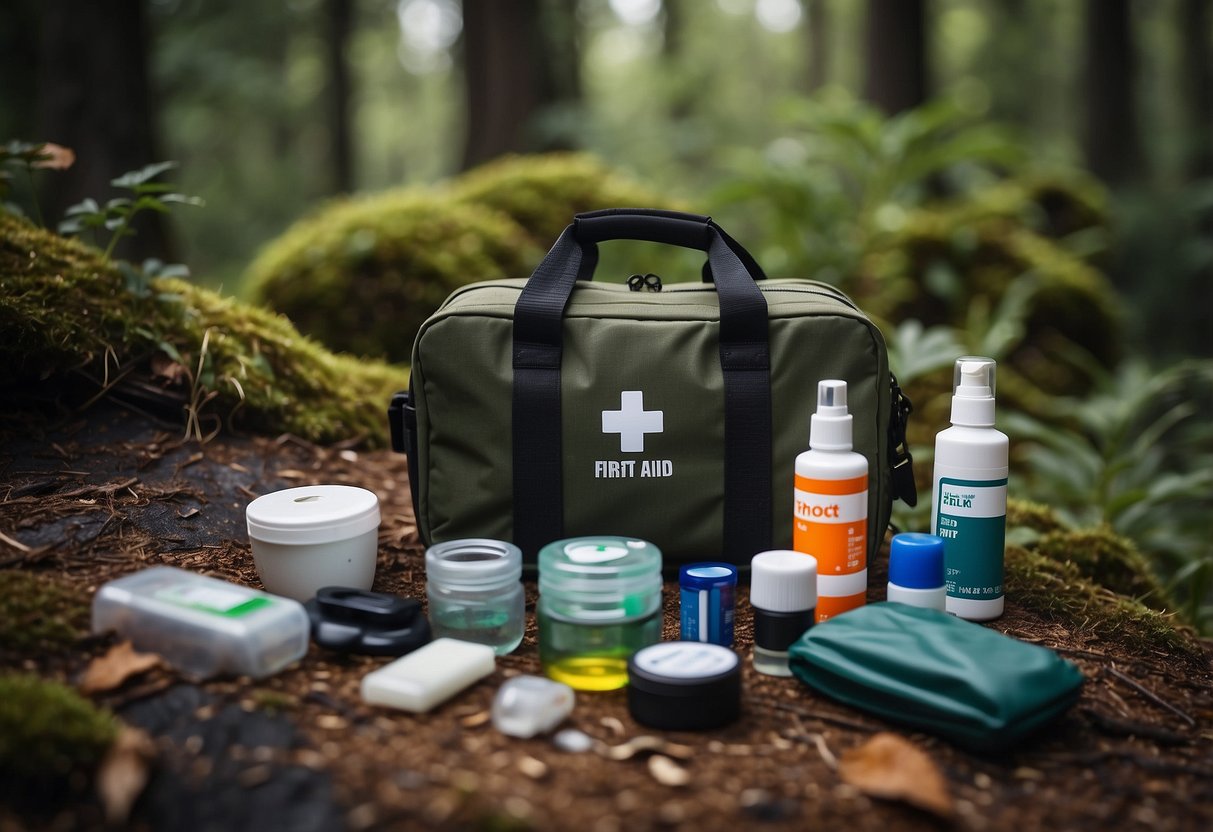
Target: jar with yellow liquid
(599, 602)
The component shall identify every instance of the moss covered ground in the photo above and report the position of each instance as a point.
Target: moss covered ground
(48, 732)
(40, 614)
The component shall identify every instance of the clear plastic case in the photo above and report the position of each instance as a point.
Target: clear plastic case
(203, 626)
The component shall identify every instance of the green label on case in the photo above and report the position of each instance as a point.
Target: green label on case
(971, 517)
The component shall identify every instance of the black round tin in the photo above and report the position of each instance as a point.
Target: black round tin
(684, 686)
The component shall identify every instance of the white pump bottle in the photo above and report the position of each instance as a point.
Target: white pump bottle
(969, 495)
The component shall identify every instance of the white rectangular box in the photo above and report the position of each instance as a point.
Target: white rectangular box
(429, 675)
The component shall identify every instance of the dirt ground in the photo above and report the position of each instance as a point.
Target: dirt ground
(109, 492)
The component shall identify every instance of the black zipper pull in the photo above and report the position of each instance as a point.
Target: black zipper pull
(644, 282)
(901, 484)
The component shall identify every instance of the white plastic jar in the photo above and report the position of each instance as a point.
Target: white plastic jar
(314, 536)
(474, 587)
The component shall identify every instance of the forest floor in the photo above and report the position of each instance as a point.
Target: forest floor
(110, 493)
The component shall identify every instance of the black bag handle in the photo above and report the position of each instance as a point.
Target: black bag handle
(744, 362)
(674, 228)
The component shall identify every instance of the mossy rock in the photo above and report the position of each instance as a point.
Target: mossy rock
(1103, 557)
(49, 734)
(949, 261)
(1092, 580)
(1040, 518)
(64, 308)
(363, 274)
(1053, 204)
(40, 615)
(1057, 590)
(542, 193)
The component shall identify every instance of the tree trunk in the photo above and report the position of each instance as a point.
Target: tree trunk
(1198, 83)
(1112, 148)
(819, 44)
(896, 54)
(504, 57)
(95, 98)
(338, 14)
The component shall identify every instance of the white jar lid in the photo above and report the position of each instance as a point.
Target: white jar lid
(312, 514)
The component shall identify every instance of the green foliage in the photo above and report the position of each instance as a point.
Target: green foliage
(117, 214)
(1137, 456)
(40, 615)
(65, 309)
(843, 174)
(48, 732)
(363, 274)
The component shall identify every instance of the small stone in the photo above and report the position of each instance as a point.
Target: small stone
(762, 805)
(528, 705)
(573, 741)
(982, 780)
(532, 768)
(667, 772)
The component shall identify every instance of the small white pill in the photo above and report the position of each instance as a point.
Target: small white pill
(429, 675)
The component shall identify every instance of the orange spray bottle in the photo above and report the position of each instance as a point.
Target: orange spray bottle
(830, 520)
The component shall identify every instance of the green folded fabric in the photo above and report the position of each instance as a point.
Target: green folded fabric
(937, 673)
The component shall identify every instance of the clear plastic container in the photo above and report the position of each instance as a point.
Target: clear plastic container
(599, 602)
(203, 626)
(474, 587)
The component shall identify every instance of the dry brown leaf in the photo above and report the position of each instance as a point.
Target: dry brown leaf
(115, 667)
(891, 767)
(163, 366)
(61, 158)
(123, 773)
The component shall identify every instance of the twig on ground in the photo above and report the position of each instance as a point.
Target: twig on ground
(16, 544)
(1150, 695)
(1129, 728)
(840, 721)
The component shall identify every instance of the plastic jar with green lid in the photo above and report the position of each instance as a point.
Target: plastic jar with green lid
(599, 602)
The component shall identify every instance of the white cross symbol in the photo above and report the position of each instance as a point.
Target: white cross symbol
(632, 421)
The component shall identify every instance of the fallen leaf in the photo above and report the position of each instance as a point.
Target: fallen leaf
(163, 366)
(893, 768)
(115, 667)
(60, 158)
(123, 773)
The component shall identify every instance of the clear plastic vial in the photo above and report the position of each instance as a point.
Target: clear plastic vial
(474, 587)
(599, 602)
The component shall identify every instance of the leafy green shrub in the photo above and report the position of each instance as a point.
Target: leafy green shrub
(48, 732)
(64, 309)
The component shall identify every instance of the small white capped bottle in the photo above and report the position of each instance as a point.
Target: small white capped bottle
(830, 519)
(969, 495)
(783, 594)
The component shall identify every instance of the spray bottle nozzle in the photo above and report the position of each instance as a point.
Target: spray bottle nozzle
(974, 378)
(830, 427)
(832, 397)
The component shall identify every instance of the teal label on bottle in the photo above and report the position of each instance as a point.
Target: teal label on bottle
(971, 517)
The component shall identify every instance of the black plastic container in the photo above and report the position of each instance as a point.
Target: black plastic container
(684, 686)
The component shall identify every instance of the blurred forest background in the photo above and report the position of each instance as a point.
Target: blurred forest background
(1027, 179)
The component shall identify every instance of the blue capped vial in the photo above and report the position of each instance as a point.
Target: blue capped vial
(707, 602)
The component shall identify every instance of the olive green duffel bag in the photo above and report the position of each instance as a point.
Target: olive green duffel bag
(553, 407)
